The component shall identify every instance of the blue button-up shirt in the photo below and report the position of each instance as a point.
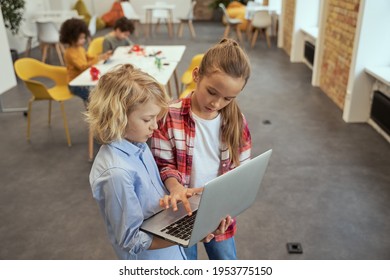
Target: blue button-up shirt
(125, 182)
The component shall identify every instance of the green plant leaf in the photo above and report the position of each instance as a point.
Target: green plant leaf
(12, 11)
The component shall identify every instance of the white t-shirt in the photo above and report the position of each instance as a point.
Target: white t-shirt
(206, 157)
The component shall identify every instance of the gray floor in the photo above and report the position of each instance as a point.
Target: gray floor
(327, 186)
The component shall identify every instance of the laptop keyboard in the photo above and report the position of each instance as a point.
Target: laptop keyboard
(182, 228)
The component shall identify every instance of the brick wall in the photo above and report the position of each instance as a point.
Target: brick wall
(288, 23)
(339, 37)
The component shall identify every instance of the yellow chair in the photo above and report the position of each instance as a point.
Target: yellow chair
(186, 78)
(96, 46)
(28, 68)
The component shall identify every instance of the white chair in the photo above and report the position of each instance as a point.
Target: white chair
(261, 21)
(188, 19)
(231, 23)
(92, 25)
(29, 30)
(48, 36)
(130, 13)
(161, 14)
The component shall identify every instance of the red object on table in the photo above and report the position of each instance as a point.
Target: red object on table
(94, 73)
(137, 48)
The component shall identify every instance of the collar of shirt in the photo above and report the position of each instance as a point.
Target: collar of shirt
(186, 105)
(129, 148)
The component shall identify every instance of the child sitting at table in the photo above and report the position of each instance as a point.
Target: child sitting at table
(119, 37)
(73, 34)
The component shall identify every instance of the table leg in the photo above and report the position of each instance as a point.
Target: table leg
(169, 89)
(148, 16)
(176, 83)
(90, 145)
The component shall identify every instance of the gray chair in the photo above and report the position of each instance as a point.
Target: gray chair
(231, 23)
(130, 13)
(48, 36)
(261, 22)
(188, 19)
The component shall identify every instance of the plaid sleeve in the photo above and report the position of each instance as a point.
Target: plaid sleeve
(162, 146)
(230, 232)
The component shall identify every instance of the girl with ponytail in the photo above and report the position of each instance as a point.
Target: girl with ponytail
(205, 135)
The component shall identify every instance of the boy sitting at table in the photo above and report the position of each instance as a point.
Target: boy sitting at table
(119, 37)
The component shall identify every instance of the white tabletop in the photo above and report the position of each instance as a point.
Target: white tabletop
(146, 64)
(167, 53)
(381, 73)
(170, 56)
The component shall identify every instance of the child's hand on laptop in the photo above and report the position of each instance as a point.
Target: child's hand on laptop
(223, 226)
(179, 193)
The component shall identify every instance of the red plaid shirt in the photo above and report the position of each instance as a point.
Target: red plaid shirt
(173, 146)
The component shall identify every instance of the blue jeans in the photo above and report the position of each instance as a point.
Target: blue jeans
(80, 91)
(224, 250)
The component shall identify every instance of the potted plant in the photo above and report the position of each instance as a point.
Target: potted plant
(13, 14)
(12, 11)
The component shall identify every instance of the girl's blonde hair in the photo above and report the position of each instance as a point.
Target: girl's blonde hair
(117, 94)
(229, 58)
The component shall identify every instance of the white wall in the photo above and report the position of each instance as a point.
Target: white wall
(7, 76)
(95, 7)
(372, 48)
(100, 7)
(306, 15)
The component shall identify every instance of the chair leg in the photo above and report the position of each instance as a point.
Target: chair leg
(171, 30)
(190, 25)
(49, 115)
(157, 28)
(44, 51)
(180, 30)
(29, 118)
(59, 53)
(136, 25)
(28, 47)
(238, 32)
(268, 39)
(249, 30)
(227, 30)
(62, 48)
(254, 38)
(65, 123)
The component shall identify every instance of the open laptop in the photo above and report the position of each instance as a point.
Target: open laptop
(228, 194)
